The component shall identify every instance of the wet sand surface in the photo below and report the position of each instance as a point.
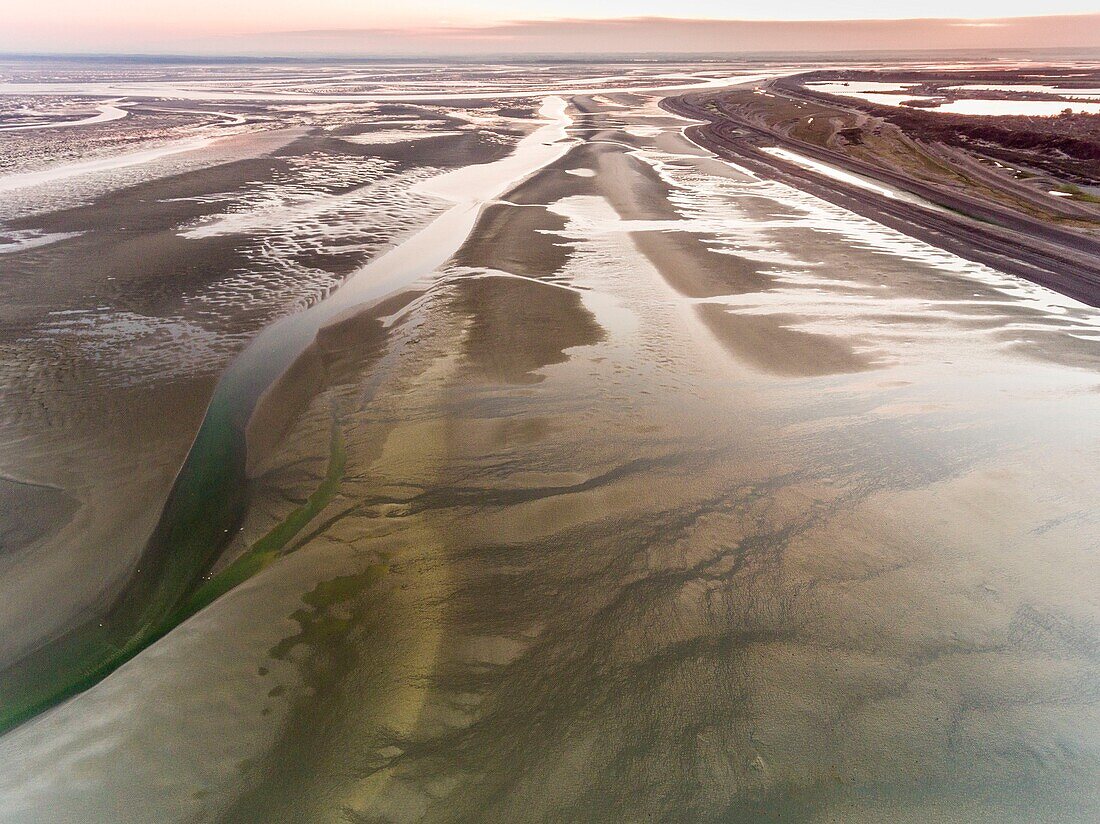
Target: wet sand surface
(144, 293)
(675, 494)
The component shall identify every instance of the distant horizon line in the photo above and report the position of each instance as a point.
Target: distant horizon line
(513, 57)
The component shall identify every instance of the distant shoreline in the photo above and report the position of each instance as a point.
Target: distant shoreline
(559, 57)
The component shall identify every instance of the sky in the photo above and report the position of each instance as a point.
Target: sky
(515, 26)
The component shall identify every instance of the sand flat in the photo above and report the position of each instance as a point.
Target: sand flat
(628, 528)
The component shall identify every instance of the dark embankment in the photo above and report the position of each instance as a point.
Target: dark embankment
(1060, 259)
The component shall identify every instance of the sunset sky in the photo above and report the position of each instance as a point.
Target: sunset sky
(508, 26)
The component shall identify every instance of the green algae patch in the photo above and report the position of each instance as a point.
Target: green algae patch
(273, 545)
(206, 504)
(321, 627)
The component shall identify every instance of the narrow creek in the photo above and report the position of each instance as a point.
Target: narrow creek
(210, 494)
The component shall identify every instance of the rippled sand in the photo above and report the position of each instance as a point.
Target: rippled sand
(676, 495)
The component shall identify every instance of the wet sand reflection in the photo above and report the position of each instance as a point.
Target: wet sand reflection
(625, 535)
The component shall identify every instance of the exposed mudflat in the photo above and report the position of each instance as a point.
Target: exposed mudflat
(666, 491)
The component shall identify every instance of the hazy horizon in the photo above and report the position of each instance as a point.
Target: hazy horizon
(55, 28)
